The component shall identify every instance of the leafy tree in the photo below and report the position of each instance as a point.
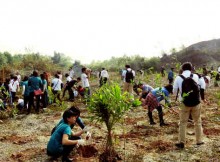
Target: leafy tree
(9, 57)
(3, 60)
(56, 57)
(108, 105)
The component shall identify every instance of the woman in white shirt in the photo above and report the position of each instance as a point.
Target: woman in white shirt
(85, 82)
(56, 85)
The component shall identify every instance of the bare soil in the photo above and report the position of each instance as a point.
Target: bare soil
(24, 138)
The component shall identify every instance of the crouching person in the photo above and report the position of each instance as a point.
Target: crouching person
(60, 143)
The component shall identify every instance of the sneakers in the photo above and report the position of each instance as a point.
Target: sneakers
(180, 145)
(200, 143)
(65, 159)
(152, 123)
(163, 124)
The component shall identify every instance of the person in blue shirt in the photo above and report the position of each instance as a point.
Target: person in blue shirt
(153, 99)
(171, 75)
(145, 90)
(44, 96)
(60, 143)
(79, 121)
(25, 92)
(34, 83)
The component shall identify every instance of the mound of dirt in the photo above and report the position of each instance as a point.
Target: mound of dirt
(87, 151)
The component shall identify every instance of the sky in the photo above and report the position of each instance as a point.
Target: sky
(93, 30)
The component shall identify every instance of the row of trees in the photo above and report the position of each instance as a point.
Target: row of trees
(34, 61)
(137, 62)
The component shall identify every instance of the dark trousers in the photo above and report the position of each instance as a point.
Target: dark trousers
(103, 81)
(70, 91)
(31, 102)
(26, 100)
(13, 94)
(160, 114)
(56, 96)
(170, 80)
(44, 99)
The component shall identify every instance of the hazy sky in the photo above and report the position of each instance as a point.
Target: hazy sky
(90, 30)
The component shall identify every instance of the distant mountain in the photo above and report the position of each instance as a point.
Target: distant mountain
(212, 46)
(205, 52)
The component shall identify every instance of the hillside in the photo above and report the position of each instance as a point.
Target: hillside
(205, 52)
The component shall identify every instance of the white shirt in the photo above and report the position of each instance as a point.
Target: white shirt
(68, 79)
(104, 74)
(56, 84)
(219, 69)
(20, 100)
(202, 83)
(85, 80)
(13, 86)
(178, 82)
(71, 73)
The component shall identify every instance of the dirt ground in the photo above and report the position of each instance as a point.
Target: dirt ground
(25, 137)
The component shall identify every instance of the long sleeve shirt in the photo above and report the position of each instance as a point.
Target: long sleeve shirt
(161, 94)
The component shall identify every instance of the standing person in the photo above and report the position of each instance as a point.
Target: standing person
(170, 75)
(59, 143)
(103, 76)
(56, 88)
(71, 72)
(187, 83)
(47, 77)
(128, 77)
(44, 96)
(13, 87)
(67, 87)
(34, 83)
(5, 91)
(85, 83)
(25, 92)
(153, 99)
(162, 71)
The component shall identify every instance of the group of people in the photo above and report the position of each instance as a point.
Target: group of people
(28, 85)
(35, 90)
(189, 87)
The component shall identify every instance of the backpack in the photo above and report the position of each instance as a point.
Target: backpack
(190, 91)
(129, 77)
(72, 83)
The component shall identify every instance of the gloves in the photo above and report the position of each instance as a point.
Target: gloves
(88, 135)
(81, 142)
(85, 129)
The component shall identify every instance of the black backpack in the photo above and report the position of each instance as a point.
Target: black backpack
(190, 91)
(129, 77)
